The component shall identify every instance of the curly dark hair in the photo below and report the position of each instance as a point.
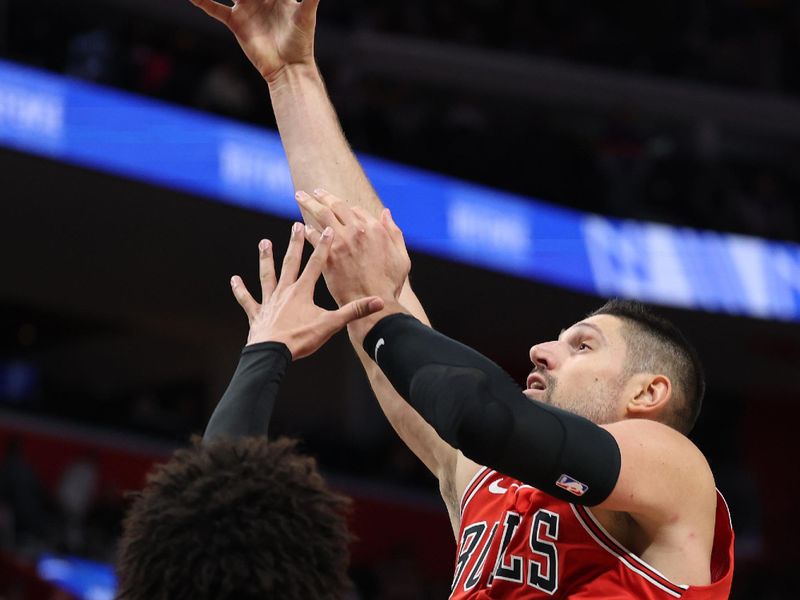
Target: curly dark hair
(235, 519)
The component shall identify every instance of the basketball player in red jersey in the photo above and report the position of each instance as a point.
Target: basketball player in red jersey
(584, 485)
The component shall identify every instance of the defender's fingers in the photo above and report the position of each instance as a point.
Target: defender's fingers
(321, 213)
(357, 309)
(312, 235)
(266, 269)
(339, 207)
(213, 9)
(243, 297)
(318, 259)
(294, 255)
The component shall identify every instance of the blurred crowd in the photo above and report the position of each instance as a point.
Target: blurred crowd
(747, 43)
(618, 162)
(364, 446)
(80, 515)
(76, 509)
(77, 517)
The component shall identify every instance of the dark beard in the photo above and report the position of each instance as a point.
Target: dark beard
(550, 387)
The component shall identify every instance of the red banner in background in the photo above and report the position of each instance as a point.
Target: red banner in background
(390, 524)
(118, 468)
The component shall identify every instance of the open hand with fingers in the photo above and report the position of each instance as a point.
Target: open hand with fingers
(366, 254)
(273, 33)
(287, 312)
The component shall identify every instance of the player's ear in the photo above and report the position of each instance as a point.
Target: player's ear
(649, 395)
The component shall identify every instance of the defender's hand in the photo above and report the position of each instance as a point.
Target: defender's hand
(287, 312)
(274, 34)
(367, 253)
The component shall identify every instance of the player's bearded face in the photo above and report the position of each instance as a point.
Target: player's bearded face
(599, 405)
(582, 371)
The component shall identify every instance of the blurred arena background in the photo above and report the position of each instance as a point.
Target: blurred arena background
(540, 154)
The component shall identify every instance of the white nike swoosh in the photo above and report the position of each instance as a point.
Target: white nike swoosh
(380, 343)
(495, 487)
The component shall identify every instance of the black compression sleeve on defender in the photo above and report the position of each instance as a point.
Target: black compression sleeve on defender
(477, 408)
(247, 404)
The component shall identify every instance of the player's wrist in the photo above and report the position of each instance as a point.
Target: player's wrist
(347, 291)
(290, 75)
(261, 337)
(358, 330)
(287, 339)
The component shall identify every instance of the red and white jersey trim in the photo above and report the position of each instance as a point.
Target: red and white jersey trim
(474, 485)
(606, 541)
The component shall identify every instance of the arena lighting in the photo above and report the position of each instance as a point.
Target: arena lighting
(143, 139)
(85, 579)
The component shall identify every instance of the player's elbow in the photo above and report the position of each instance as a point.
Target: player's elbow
(459, 405)
(484, 430)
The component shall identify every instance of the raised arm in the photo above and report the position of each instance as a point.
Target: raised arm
(639, 467)
(451, 467)
(278, 38)
(635, 466)
(285, 326)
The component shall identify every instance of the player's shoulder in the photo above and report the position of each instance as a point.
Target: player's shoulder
(647, 432)
(664, 444)
(660, 468)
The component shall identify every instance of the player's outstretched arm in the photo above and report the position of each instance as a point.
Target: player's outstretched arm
(372, 253)
(448, 465)
(636, 466)
(475, 407)
(285, 326)
(277, 36)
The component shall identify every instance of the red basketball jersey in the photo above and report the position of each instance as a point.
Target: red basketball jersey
(518, 542)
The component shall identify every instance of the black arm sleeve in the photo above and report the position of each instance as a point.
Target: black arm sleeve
(477, 408)
(247, 404)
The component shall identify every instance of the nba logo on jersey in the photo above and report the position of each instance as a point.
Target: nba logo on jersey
(573, 486)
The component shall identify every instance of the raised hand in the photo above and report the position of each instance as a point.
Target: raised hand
(273, 33)
(287, 312)
(367, 254)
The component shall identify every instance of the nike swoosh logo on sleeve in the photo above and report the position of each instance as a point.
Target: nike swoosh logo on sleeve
(381, 342)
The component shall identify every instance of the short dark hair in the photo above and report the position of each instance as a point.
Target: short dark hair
(235, 519)
(655, 345)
